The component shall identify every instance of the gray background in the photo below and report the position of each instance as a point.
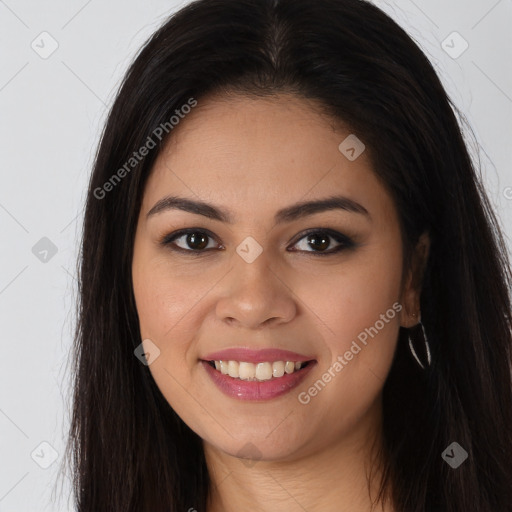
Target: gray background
(52, 110)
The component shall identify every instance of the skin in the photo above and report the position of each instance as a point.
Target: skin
(253, 157)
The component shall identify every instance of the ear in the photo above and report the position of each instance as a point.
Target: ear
(411, 313)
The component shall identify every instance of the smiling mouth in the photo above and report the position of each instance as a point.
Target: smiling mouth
(262, 371)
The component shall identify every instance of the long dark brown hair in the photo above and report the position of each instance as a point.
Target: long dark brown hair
(128, 449)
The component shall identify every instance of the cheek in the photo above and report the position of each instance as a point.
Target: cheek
(159, 303)
(172, 301)
(165, 306)
(359, 309)
(164, 296)
(359, 305)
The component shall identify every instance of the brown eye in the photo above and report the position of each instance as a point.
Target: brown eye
(316, 241)
(191, 240)
(196, 241)
(319, 240)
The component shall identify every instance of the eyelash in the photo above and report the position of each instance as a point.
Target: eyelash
(345, 241)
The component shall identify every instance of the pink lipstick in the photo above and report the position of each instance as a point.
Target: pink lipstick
(256, 375)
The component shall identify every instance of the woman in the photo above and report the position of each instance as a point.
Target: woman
(293, 289)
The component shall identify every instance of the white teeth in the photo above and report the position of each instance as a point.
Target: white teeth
(278, 369)
(224, 367)
(233, 368)
(264, 371)
(246, 371)
(289, 367)
(259, 371)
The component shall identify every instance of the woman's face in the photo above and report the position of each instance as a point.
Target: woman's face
(323, 284)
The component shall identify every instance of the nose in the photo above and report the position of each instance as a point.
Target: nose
(255, 295)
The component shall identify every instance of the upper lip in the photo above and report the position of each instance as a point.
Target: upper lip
(251, 355)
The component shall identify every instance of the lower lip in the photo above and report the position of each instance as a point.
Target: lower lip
(257, 390)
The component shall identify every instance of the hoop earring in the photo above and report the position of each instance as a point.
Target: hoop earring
(427, 347)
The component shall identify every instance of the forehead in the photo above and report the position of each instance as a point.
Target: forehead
(254, 152)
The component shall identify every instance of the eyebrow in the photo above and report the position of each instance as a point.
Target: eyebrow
(287, 214)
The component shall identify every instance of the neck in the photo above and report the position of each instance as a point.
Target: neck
(340, 477)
